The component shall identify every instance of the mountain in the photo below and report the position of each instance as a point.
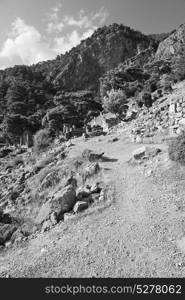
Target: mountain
(173, 45)
(115, 56)
(82, 67)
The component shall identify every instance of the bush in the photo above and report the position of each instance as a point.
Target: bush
(115, 102)
(176, 149)
(42, 140)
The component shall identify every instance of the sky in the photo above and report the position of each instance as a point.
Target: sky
(37, 30)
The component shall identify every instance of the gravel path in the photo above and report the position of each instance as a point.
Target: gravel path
(139, 235)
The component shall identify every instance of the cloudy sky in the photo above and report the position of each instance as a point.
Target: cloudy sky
(36, 30)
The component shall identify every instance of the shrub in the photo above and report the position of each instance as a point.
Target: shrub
(42, 140)
(115, 102)
(176, 149)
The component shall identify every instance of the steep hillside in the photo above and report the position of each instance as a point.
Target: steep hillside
(27, 93)
(172, 45)
(103, 51)
(115, 56)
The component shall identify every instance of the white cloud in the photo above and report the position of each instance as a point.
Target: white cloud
(87, 21)
(54, 23)
(27, 45)
(26, 42)
(63, 44)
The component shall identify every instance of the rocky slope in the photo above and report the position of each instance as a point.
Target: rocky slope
(173, 45)
(139, 233)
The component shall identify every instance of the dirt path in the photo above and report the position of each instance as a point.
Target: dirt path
(136, 236)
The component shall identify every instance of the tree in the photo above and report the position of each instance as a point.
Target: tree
(166, 82)
(42, 140)
(178, 67)
(116, 103)
(14, 126)
(55, 118)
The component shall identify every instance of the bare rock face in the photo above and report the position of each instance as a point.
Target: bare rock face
(173, 45)
(61, 202)
(82, 67)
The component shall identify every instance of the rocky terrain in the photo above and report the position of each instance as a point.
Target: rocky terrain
(107, 203)
(128, 221)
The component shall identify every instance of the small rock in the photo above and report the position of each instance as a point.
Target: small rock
(139, 153)
(96, 188)
(113, 140)
(46, 226)
(95, 197)
(53, 218)
(8, 244)
(80, 206)
(149, 173)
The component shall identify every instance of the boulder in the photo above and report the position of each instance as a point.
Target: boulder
(80, 206)
(61, 202)
(82, 193)
(89, 199)
(182, 122)
(95, 188)
(6, 232)
(5, 218)
(69, 216)
(139, 153)
(90, 171)
(91, 156)
(152, 151)
(145, 152)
